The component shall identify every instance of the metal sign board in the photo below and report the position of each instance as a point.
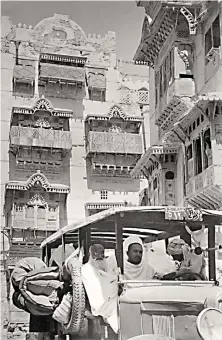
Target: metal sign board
(180, 214)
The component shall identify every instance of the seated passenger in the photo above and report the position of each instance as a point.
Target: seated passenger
(159, 260)
(101, 284)
(187, 261)
(136, 266)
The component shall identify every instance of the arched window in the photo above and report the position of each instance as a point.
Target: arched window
(207, 149)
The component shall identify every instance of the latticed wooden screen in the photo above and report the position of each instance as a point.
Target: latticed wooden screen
(62, 72)
(109, 142)
(40, 137)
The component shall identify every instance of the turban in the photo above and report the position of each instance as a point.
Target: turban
(179, 247)
(141, 271)
(131, 240)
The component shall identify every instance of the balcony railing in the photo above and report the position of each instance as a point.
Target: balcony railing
(111, 142)
(134, 96)
(40, 137)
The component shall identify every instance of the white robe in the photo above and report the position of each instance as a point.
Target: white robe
(137, 272)
(102, 291)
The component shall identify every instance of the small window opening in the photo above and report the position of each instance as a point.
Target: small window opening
(216, 111)
(169, 175)
(207, 149)
(104, 194)
(189, 152)
(190, 129)
(198, 156)
(155, 184)
(172, 158)
(182, 75)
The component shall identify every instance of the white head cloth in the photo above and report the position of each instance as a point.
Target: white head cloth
(141, 271)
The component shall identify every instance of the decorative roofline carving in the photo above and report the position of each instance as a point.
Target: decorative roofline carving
(37, 178)
(37, 200)
(116, 112)
(185, 53)
(192, 21)
(43, 104)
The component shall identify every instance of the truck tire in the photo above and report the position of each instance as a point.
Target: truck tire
(78, 300)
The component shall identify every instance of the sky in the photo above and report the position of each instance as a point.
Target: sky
(122, 17)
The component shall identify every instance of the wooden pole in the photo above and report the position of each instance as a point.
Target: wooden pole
(63, 248)
(48, 254)
(185, 236)
(119, 242)
(211, 257)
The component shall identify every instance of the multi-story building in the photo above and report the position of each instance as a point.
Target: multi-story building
(181, 42)
(72, 130)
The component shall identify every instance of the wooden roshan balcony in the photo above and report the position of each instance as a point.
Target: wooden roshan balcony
(205, 189)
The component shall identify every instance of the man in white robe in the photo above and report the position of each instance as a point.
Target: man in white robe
(136, 266)
(100, 280)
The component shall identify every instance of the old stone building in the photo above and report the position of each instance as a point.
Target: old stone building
(71, 129)
(181, 42)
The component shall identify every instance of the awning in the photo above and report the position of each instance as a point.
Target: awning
(144, 221)
(154, 37)
(62, 72)
(24, 73)
(199, 105)
(153, 150)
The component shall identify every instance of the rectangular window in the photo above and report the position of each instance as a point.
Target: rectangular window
(97, 95)
(212, 37)
(171, 64)
(104, 194)
(157, 87)
(165, 82)
(198, 156)
(22, 89)
(161, 81)
(207, 148)
(164, 77)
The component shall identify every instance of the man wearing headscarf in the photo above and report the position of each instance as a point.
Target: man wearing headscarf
(136, 266)
(186, 259)
(100, 280)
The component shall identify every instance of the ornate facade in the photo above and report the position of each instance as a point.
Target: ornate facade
(72, 130)
(181, 42)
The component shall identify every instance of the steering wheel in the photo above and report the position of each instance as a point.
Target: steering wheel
(183, 276)
(189, 277)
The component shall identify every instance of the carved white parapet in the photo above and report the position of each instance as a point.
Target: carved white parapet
(23, 33)
(107, 44)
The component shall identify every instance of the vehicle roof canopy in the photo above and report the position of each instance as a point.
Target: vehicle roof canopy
(150, 223)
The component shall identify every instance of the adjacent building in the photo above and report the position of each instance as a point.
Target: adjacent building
(72, 130)
(181, 42)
